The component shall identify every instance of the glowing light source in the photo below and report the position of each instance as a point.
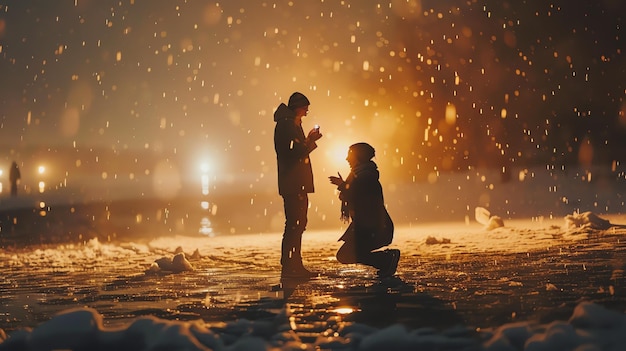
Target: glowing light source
(42, 209)
(206, 227)
(344, 310)
(205, 223)
(450, 114)
(336, 155)
(204, 178)
(205, 184)
(204, 167)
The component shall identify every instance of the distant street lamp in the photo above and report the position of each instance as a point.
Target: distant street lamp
(204, 168)
(205, 222)
(42, 185)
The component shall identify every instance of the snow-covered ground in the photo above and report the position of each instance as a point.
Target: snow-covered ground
(534, 284)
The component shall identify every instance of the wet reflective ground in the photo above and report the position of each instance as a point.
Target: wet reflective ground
(437, 285)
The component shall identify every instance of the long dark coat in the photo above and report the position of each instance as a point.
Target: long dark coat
(371, 226)
(295, 175)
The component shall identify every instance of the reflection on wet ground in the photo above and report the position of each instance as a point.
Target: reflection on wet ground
(482, 290)
(477, 290)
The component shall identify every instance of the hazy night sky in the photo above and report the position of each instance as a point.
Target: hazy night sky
(433, 85)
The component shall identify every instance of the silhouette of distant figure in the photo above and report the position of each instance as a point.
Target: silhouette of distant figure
(14, 177)
(295, 178)
(362, 201)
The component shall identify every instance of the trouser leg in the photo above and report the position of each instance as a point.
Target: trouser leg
(295, 223)
(376, 259)
(352, 252)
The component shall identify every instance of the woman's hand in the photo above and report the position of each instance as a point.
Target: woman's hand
(336, 180)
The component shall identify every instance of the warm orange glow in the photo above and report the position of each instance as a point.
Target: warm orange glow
(205, 184)
(166, 179)
(205, 169)
(205, 227)
(450, 114)
(335, 155)
(344, 310)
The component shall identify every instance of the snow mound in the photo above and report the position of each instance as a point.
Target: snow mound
(484, 217)
(586, 221)
(176, 264)
(431, 240)
(591, 327)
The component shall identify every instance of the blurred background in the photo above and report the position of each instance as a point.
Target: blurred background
(167, 107)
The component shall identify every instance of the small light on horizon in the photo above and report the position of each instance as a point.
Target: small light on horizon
(205, 184)
(343, 310)
(42, 209)
(204, 178)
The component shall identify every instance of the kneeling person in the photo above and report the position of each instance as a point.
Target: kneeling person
(362, 202)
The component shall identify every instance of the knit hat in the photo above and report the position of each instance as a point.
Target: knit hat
(362, 151)
(298, 100)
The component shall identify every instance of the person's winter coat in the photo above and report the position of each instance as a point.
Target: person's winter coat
(295, 175)
(362, 200)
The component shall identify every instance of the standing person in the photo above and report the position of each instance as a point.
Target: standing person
(362, 201)
(14, 177)
(295, 178)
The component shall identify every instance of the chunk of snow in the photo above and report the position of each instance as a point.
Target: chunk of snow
(586, 220)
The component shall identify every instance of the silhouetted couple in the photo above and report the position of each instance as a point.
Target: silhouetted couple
(361, 195)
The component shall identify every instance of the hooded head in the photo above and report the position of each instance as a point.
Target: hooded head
(362, 152)
(297, 100)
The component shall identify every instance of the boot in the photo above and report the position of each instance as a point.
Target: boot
(295, 269)
(390, 269)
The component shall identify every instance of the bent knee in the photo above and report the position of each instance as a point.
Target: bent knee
(345, 256)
